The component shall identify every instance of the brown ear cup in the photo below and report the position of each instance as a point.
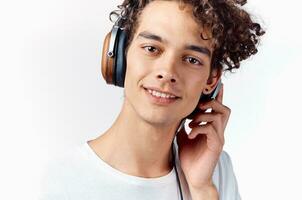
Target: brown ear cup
(107, 62)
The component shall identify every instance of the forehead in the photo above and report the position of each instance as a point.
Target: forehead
(171, 21)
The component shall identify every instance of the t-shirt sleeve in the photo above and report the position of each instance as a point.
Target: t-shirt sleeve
(228, 182)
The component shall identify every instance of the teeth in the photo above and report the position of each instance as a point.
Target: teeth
(160, 94)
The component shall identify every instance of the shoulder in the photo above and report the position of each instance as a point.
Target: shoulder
(57, 174)
(225, 178)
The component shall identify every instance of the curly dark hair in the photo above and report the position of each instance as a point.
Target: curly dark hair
(235, 36)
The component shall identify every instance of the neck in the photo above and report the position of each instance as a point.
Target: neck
(136, 146)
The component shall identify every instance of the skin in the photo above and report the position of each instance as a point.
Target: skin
(139, 141)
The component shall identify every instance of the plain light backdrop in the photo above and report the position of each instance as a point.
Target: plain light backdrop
(52, 94)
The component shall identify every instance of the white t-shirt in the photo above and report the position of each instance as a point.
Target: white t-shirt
(82, 175)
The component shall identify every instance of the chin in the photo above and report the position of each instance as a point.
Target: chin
(157, 118)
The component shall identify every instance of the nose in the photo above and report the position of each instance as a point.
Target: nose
(167, 70)
(166, 77)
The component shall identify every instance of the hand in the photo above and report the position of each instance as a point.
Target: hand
(199, 153)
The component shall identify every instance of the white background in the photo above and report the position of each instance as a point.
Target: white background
(52, 95)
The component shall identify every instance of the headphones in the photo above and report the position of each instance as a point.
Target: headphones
(114, 67)
(113, 55)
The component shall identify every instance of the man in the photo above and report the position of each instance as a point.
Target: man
(173, 56)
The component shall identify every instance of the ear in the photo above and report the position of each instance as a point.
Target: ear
(212, 81)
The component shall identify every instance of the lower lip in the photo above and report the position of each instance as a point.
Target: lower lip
(159, 100)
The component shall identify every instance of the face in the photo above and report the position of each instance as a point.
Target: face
(167, 53)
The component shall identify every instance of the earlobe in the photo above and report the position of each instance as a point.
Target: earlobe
(206, 90)
(212, 81)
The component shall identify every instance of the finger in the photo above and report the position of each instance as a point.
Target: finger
(216, 106)
(214, 118)
(204, 117)
(202, 129)
(210, 133)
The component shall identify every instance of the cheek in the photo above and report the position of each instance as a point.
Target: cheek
(194, 88)
(194, 81)
(136, 70)
(194, 97)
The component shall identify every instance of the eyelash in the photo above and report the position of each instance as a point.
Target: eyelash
(151, 47)
(200, 63)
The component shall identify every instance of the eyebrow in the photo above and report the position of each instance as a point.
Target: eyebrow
(200, 49)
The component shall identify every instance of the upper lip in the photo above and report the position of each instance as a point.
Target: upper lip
(159, 90)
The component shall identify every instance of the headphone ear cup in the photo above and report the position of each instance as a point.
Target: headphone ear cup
(107, 62)
(120, 68)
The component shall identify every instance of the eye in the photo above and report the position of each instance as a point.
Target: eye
(193, 61)
(151, 49)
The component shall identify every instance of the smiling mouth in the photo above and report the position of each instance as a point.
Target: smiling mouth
(160, 98)
(159, 94)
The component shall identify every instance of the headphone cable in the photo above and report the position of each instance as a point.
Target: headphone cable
(177, 177)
